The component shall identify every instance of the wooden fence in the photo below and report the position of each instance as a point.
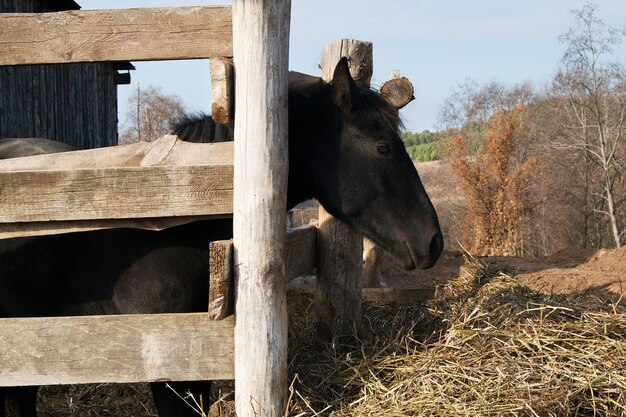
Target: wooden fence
(147, 343)
(119, 187)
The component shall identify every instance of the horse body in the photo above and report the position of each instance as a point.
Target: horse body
(115, 271)
(344, 150)
(16, 147)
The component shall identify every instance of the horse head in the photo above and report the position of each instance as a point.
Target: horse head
(360, 170)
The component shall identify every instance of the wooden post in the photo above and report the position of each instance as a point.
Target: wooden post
(299, 260)
(398, 90)
(260, 49)
(359, 56)
(221, 280)
(340, 250)
(222, 90)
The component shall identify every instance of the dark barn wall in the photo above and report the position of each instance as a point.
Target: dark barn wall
(37, 6)
(71, 103)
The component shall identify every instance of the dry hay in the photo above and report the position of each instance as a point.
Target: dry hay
(486, 346)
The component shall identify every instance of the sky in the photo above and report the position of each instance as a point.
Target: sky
(437, 44)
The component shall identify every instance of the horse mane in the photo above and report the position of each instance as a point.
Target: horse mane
(200, 127)
(310, 86)
(374, 99)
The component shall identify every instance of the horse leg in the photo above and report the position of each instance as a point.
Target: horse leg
(24, 401)
(169, 404)
(3, 395)
(27, 401)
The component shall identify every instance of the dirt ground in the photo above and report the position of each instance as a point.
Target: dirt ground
(570, 270)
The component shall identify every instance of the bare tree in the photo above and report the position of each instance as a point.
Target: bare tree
(150, 116)
(592, 90)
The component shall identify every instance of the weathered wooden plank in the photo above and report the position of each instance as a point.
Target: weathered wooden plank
(29, 97)
(115, 35)
(299, 260)
(261, 53)
(126, 348)
(114, 193)
(167, 150)
(166, 178)
(222, 279)
(31, 229)
(339, 269)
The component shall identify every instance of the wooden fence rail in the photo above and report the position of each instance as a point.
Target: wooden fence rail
(122, 348)
(115, 35)
(147, 185)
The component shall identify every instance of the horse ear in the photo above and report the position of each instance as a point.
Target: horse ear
(344, 86)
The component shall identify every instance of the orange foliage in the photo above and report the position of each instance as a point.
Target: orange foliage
(494, 184)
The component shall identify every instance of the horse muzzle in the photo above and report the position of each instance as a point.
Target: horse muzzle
(425, 259)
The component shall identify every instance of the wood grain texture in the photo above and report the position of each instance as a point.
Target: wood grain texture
(114, 193)
(167, 150)
(299, 260)
(398, 91)
(222, 279)
(261, 49)
(359, 54)
(222, 90)
(125, 348)
(115, 35)
(167, 178)
(339, 269)
(31, 229)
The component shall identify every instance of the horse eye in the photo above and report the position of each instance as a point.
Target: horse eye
(383, 149)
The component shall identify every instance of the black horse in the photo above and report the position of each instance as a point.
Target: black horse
(344, 150)
(16, 147)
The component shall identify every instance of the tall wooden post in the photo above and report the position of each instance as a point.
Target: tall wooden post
(340, 250)
(260, 49)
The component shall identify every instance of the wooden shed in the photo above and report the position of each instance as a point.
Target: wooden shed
(71, 103)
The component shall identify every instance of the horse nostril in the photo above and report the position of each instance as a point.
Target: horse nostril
(436, 246)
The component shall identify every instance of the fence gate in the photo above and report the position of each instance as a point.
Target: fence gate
(34, 201)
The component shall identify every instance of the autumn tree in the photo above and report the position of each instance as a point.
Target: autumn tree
(150, 115)
(495, 185)
(591, 90)
(470, 105)
(490, 149)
